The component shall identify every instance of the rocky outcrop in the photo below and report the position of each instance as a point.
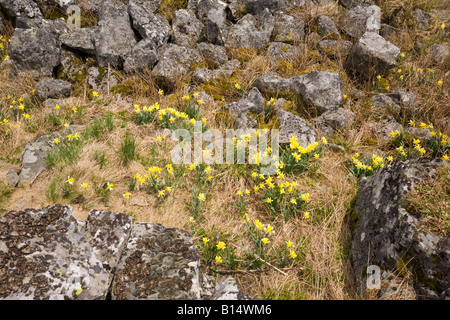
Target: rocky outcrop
(389, 236)
(371, 56)
(21, 8)
(186, 28)
(47, 254)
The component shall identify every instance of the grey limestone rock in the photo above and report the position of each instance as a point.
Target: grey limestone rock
(213, 54)
(386, 233)
(114, 37)
(34, 154)
(174, 62)
(43, 255)
(292, 125)
(319, 89)
(335, 48)
(228, 290)
(157, 263)
(80, 39)
(226, 70)
(150, 25)
(360, 19)
(36, 51)
(288, 28)
(187, 29)
(53, 88)
(326, 28)
(21, 8)
(251, 31)
(371, 56)
(143, 55)
(279, 51)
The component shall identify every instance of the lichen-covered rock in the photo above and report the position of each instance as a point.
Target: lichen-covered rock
(143, 55)
(440, 55)
(99, 79)
(21, 8)
(114, 38)
(271, 83)
(335, 48)
(34, 154)
(383, 126)
(35, 51)
(158, 263)
(257, 6)
(80, 39)
(152, 26)
(319, 89)
(228, 290)
(360, 19)
(174, 62)
(213, 54)
(212, 14)
(186, 28)
(337, 119)
(72, 68)
(288, 28)
(353, 3)
(326, 28)
(43, 255)
(371, 56)
(422, 18)
(226, 70)
(389, 236)
(108, 233)
(253, 102)
(12, 178)
(53, 88)
(279, 51)
(251, 31)
(384, 103)
(292, 125)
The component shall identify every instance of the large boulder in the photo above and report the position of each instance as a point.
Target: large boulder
(372, 55)
(390, 237)
(114, 38)
(43, 255)
(53, 88)
(35, 51)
